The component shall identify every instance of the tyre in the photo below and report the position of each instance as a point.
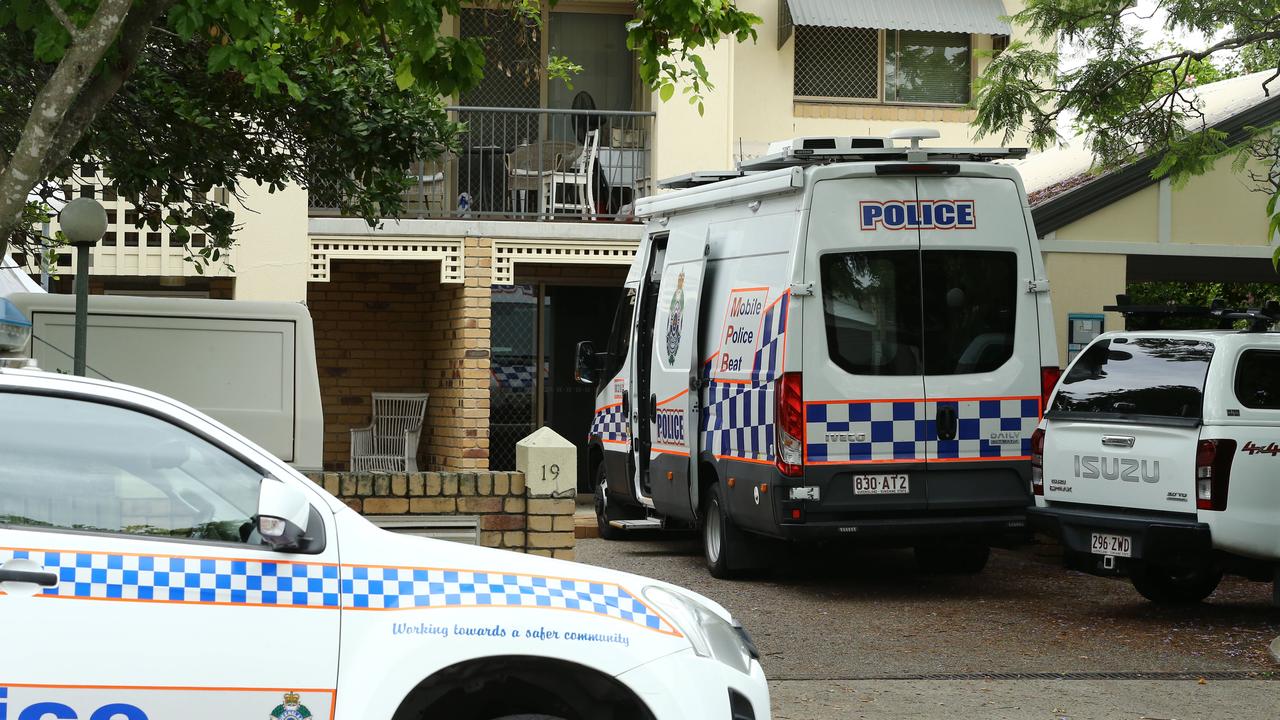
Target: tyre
(606, 510)
(722, 542)
(953, 559)
(1169, 586)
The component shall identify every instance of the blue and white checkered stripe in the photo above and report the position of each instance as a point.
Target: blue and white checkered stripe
(609, 424)
(107, 576)
(513, 377)
(902, 430)
(196, 581)
(391, 588)
(738, 418)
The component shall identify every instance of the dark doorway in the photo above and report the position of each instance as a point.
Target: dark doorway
(573, 314)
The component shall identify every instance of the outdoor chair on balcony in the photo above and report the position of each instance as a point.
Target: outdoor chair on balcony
(428, 194)
(527, 165)
(390, 443)
(576, 183)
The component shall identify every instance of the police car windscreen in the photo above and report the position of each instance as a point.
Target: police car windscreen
(1155, 377)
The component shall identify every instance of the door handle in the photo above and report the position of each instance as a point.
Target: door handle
(626, 404)
(35, 577)
(653, 407)
(947, 422)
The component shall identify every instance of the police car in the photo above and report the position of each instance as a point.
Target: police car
(847, 338)
(1159, 455)
(156, 565)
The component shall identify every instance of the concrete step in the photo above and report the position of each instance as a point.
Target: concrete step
(584, 517)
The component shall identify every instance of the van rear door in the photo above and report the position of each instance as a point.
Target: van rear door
(862, 381)
(981, 341)
(1124, 425)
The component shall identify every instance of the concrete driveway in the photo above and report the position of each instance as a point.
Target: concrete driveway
(848, 633)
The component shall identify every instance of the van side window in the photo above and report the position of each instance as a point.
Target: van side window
(620, 337)
(88, 466)
(1258, 379)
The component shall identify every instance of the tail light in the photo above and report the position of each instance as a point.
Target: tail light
(1213, 473)
(789, 421)
(1049, 377)
(1037, 461)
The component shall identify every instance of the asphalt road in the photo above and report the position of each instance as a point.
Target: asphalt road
(847, 633)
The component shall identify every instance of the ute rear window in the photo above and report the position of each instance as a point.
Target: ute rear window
(1139, 377)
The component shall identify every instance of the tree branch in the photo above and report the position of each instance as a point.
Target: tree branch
(61, 14)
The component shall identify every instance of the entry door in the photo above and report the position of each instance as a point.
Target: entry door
(641, 420)
(157, 607)
(672, 407)
(863, 351)
(981, 329)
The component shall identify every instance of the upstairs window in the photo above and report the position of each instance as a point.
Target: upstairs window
(926, 67)
(837, 62)
(893, 66)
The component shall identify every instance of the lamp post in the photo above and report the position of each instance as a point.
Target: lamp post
(83, 221)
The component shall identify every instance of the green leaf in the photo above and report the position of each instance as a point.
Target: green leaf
(404, 74)
(666, 91)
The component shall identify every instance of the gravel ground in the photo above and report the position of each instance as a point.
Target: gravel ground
(868, 621)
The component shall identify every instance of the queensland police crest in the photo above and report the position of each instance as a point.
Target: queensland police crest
(291, 709)
(675, 320)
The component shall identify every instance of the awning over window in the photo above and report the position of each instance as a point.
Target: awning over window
(969, 16)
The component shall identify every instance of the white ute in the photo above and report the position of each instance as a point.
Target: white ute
(155, 564)
(1159, 457)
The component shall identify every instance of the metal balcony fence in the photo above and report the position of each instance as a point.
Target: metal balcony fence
(534, 164)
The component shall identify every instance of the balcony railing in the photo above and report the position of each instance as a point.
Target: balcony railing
(534, 164)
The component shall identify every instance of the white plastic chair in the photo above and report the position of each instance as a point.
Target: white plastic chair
(390, 442)
(578, 178)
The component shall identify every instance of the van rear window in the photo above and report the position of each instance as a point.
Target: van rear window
(1123, 377)
(907, 312)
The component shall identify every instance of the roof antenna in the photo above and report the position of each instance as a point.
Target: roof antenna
(915, 135)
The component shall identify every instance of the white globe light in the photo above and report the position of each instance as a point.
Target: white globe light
(84, 220)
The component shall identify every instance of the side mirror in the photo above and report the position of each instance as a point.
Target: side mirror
(586, 363)
(283, 515)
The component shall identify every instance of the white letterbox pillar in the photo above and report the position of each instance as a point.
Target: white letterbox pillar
(549, 463)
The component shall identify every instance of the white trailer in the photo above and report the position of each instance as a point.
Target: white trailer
(251, 365)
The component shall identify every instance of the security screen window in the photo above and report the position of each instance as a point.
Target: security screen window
(1258, 380)
(926, 67)
(904, 312)
(1142, 377)
(837, 62)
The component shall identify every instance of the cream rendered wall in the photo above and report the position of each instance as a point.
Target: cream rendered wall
(273, 251)
(684, 141)
(1084, 283)
(1131, 219)
(1219, 208)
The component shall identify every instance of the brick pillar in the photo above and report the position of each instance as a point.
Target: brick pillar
(458, 414)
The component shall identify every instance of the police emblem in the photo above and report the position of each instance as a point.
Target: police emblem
(290, 709)
(675, 321)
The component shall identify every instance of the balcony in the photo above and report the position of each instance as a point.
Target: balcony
(534, 165)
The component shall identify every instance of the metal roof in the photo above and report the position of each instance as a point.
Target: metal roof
(970, 16)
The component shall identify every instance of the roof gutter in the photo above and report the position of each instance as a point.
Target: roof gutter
(1093, 196)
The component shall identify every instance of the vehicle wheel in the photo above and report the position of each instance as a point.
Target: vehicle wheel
(605, 510)
(1167, 586)
(957, 559)
(722, 541)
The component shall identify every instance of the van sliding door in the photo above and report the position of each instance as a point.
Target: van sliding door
(668, 405)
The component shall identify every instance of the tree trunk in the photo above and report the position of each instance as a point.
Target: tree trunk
(49, 111)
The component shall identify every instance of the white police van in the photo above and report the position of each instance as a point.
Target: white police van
(841, 339)
(156, 565)
(1159, 456)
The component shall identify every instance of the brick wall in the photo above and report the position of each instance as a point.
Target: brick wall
(509, 518)
(391, 326)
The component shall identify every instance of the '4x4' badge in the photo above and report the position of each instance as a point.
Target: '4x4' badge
(291, 709)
